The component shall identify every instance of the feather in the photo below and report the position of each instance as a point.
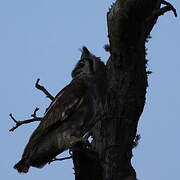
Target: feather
(22, 166)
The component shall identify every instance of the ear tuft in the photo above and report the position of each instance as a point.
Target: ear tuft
(85, 50)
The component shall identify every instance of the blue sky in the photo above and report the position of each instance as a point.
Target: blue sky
(40, 39)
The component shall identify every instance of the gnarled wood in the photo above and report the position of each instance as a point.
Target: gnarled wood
(128, 29)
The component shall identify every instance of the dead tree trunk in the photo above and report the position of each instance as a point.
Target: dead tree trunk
(129, 25)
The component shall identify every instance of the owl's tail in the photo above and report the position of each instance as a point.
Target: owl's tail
(40, 156)
(40, 150)
(22, 166)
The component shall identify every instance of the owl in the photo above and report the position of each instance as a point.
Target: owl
(71, 115)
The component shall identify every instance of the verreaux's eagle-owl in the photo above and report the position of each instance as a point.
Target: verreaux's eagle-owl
(70, 116)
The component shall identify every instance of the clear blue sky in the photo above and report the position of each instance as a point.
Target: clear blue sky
(40, 39)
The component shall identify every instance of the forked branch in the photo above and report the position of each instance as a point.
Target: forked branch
(19, 123)
(170, 6)
(43, 89)
(163, 10)
(34, 116)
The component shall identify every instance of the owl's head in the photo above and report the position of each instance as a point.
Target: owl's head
(88, 64)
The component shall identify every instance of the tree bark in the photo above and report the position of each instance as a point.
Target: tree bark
(127, 82)
(129, 25)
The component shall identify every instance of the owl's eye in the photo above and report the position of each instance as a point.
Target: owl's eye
(81, 64)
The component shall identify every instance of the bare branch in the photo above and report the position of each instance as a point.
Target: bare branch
(60, 159)
(43, 89)
(34, 114)
(19, 123)
(171, 6)
(161, 11)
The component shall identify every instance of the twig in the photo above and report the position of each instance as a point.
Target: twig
(136, 140)
(42, 88)
(171, 6)
(161, 11)
(34, 113)
(60, 159)
(19, 123)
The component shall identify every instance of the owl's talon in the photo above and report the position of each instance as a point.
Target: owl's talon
(84, 142)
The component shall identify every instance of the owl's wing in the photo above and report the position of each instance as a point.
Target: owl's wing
(65, 103)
